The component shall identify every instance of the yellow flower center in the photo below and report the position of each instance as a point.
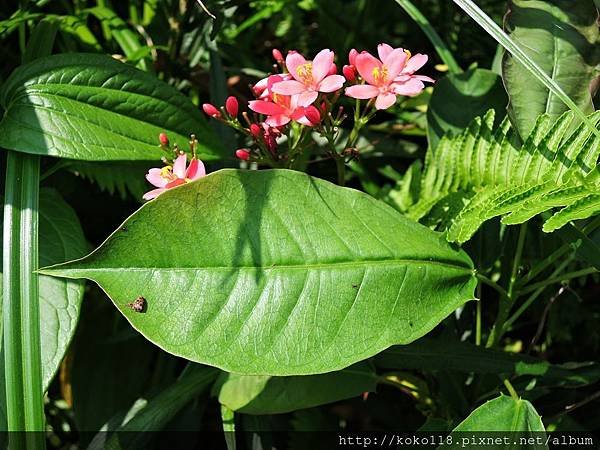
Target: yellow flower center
(408, 54)
(167, 173)
(304, 72)
(380, 74)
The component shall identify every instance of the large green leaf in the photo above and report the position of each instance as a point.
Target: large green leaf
(516, 419)
(61, 237)
(262, 394)
(561, 37)
(92, 107)
(276, 273)
(476, 91)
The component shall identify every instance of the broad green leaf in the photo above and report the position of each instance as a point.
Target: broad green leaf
(276, 273)
(61, 237)
(153, 414)
(92, 107)
(560, 36)
(476, 91)
(517, 419)
(518, 52)
(441, 354)
(262, 394)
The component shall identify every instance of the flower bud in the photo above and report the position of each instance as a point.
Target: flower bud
(332, 69)
(164, 139)
(242, 154)
(231, 106)
(277, 56)
(352, 56)
(349, 72)
(211, 110)
(313, 115)
(255, 130)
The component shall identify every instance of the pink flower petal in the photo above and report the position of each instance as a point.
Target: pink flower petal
(383, 50)
(195, 170)
(424, 78)
(362, 91)
(179, 166)
(263, 107)
(292, 62)
(175, 183)
(278, 120)
(307, 98)
(153, 193)
(395, 63)
(321, 65)
(411, 88)
(415, 63)
(291, 87)
(384, 101)
(366, 65)
(154, 177)
(331, 83)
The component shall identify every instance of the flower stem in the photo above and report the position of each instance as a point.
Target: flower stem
(21, 309)
(507, 302)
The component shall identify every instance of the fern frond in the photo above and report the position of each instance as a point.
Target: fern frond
(484, 173)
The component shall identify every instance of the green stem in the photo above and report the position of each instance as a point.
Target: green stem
(340, 164)
(559, 278)
(511, 389)
(440, 47)
(24, 392)
(544, 264)
(535, 295)
(507, 303)
(478, 317)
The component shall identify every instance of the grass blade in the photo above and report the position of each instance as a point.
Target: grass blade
(513, 48)
(440, 46)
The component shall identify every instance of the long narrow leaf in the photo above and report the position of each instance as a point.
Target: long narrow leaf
(440, 46)
(513, 48)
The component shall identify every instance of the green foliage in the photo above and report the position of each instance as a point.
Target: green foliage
(292, 274)
(93, 107)
(483, 173)
(255, 394)
(61, 237)
(561, 37)
(476, 91)
(503, 414)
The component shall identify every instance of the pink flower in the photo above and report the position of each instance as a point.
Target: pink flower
(262, 90)
(231, 106)
(310, 77)
(168, 177)
(211, 110)
(407, 83)
(390, 75)
(280, 109)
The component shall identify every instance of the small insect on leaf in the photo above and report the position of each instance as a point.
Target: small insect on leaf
(138, 305)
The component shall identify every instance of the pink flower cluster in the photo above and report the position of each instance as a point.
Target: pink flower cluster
(306, 90)
(175, 173)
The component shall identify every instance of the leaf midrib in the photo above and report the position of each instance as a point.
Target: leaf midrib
(333, 265)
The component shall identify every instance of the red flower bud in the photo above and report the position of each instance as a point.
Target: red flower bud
(231, 106)
(352, 56)
(255, 130)
(164, 139)
(313, 115)
(242, 154)
(332, 69)
(349, 73)
(277, 56)
(211, 110)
